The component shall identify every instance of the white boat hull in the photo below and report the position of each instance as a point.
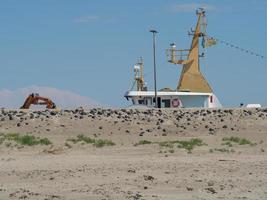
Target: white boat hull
(174, 99)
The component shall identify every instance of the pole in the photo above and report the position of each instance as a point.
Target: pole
(155, 72)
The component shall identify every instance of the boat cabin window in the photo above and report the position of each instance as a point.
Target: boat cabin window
(141, 101)
(158, 101)
(153, 102)
(166, 103)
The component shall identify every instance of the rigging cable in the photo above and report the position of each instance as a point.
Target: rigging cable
(239, 48)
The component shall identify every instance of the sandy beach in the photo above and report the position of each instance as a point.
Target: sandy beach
(133, 154)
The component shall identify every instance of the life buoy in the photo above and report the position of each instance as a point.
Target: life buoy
(176, 102)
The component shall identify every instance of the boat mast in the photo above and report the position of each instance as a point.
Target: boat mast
(139, 75)
(191, 79)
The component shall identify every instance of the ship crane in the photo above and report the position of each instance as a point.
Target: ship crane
(191, 79)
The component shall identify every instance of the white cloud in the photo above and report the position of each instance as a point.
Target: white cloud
(62, 98)
(189, 7)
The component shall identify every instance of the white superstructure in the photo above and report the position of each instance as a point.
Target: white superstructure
(173, 99)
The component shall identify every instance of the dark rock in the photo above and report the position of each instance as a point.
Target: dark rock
(189, 188)
(131, 171)
(211, 129)
(148, 178)
(141, 134)
(83, 113)
(53, 113)
(211, 190)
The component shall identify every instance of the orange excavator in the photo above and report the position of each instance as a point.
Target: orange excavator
(35, 99)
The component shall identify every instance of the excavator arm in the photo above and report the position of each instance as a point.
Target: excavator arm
(35, 99)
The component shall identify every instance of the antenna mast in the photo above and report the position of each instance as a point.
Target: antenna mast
(139, 75)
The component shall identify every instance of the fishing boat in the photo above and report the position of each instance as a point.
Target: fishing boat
(192, 90)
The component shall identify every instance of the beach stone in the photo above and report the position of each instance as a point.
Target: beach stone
(141, 134)
(189, 188)
(53, 113)
(131, 171)
(148, 178)
(211, 190)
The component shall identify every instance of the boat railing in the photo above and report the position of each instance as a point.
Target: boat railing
(174, 55)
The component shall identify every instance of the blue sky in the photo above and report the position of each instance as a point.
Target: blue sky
(88, 47)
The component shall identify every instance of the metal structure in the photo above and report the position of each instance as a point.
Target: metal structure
(139, 75)
(154, 61)
(191, 79)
